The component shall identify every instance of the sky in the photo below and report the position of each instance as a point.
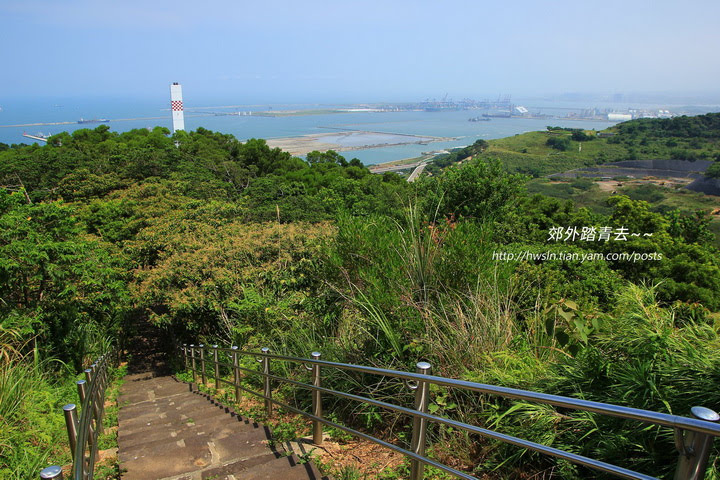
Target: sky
(357, 50)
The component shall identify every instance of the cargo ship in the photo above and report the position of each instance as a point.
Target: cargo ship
(93, 120)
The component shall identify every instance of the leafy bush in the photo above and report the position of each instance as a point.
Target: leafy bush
(713, 170)
(558, 143)
(477, 189)
(581, 136)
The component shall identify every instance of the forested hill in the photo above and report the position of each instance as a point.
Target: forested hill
(560, 149)
(698, 126)
(220, 241)
(90, 164)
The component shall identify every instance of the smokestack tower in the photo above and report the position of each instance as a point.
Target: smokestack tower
(176, 105)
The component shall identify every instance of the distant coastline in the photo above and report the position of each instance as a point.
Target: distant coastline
(349, 141)
(375, 133)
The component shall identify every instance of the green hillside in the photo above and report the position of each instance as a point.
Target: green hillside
(683, 138)
(219, 241)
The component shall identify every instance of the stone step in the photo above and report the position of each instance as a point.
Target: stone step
(137, 377)
(168, 459)
(149, 390)
(188, 406)
(148, 379)
(171, 433)
(284, 468)
(226, 471)
(241, 436)
(175, 402)
(217, 425)
(171, 419)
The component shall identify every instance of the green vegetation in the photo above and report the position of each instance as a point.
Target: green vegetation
(220, 241)
(560, 149)
(457, 155)
(558, 143)
(584, 192)
(714, 170)
(700, 126)
(32, 429)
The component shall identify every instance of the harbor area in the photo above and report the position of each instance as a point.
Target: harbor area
(347, 141)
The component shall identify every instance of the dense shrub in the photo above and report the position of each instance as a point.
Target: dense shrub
(558, 143)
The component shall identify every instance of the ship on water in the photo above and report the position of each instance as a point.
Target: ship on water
(93, 120)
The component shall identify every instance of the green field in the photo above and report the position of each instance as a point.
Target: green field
(529, 152)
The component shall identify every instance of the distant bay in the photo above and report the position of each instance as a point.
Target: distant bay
(124, 115)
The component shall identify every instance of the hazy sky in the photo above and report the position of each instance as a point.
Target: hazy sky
(332, 50)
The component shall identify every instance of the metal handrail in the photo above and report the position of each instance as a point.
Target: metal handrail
(629, 413)
(693, 436)
(83, 433)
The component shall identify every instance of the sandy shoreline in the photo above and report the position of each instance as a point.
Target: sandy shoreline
(348, 141)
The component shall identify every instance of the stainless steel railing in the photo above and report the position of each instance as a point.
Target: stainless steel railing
(83, 433)
(693, 436)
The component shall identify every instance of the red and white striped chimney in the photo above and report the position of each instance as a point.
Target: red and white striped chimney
(176, 105)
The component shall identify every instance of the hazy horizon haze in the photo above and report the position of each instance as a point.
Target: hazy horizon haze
(322, 51)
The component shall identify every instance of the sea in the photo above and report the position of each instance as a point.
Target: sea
(128, 114)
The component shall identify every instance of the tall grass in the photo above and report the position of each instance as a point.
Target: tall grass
(475, 319)
(399, 292)
(88, 340)
(419, 249)
(11, 341)
(640, 358)
(33, 390)
(32, 432)
(461, 328)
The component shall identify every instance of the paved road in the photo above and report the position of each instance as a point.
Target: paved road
(416, 173)
(394, 168)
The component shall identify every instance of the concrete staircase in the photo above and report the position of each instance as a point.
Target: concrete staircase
(168, 432)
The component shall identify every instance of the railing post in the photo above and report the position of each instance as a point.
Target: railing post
(91, 392)
(71, 423)
(194, 368)
(694, 447)
(82, 386)
(202, 364)
(236, 372)
(52, 473)
(100, 398)
(317, 401)
(217, 367)
(95, 401)
(185, 355)
(81, 390)
(419, 431)
(266, 370)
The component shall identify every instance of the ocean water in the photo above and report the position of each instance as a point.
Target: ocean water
(127, 114)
